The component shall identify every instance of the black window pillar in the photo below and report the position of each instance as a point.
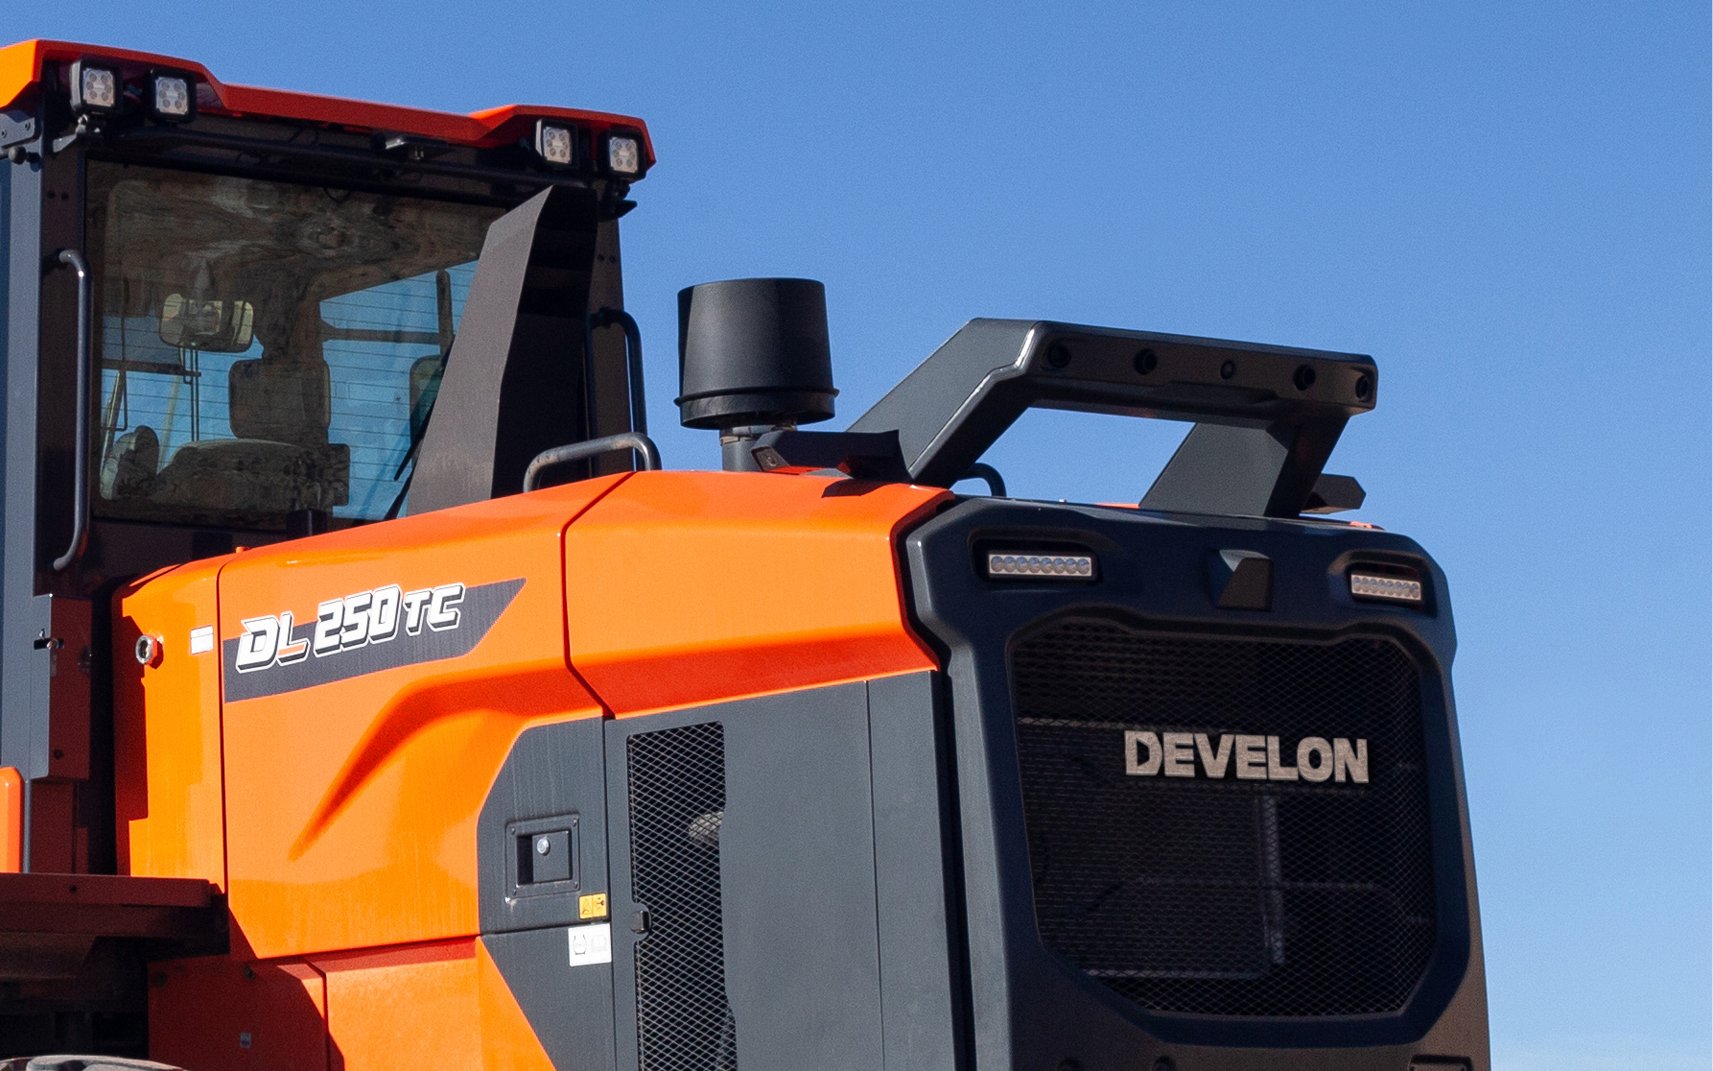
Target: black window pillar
(45, 695)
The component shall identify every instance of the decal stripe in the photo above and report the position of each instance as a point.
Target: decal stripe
(480, 608)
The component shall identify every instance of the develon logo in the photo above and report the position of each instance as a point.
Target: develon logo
(1249, 758)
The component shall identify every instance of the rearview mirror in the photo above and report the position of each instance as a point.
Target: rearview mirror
(210, 326)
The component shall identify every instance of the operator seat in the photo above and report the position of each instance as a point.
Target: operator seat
(280, 461)
(280, 401)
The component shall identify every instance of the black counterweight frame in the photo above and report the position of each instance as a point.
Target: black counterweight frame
(1031, 1009)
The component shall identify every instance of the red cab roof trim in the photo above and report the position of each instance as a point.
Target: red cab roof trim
(21, 68)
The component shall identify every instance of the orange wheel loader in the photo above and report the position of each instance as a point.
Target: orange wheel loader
(370, 697)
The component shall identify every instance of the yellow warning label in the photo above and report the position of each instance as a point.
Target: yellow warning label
(592, 906)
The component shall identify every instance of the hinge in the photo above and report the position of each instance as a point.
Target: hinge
(16, 130)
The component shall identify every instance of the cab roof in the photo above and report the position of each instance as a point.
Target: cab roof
(22, 65)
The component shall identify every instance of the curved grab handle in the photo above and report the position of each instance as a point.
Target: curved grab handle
(607, 317)
(981, 470)
(80, 475)
(607, 444)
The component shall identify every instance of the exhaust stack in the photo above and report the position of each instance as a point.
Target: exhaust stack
(753, 357)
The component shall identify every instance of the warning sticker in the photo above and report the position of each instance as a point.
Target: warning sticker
(590, 944)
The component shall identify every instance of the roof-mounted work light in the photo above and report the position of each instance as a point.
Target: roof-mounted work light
(95, 90)
(555, 144)
(624, 155)
(171, 97)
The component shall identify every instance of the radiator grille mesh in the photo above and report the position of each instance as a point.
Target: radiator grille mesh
(1226, 897)
(677, 804)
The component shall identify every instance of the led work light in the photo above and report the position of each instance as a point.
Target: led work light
(94, 90)
(555, 144)
(1040, 566)
(1386, 588)
(171, 97)
(624, 155)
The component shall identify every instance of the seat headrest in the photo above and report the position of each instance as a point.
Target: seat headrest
(282, 401)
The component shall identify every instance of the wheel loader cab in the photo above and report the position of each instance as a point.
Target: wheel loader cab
(275, 282)
(225, 317)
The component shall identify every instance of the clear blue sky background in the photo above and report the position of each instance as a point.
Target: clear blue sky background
(1506, 204)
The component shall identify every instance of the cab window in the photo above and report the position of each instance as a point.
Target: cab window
(266, 348)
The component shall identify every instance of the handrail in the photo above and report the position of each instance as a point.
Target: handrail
(981, 470)
(607, 317)
(80, 476)
(607, 444)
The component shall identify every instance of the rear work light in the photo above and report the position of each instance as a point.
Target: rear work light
(555, 144)
(624, 155)
(171, 97)
(1023, 566)
(95, 90)
(1385, 588)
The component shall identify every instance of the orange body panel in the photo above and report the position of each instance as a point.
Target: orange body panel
(404, 1008)
(220, 1015)
(352, 805)
(169, 810)
(426, 1006)
(690, 587)
(508, 1041)
(21, 68)
(11, 821)
(442, 1004)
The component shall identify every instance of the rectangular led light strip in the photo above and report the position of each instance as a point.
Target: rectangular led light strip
(1004, 563)
(1390, 588)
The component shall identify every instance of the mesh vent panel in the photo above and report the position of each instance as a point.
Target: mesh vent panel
(1219, 896)
(677, 803)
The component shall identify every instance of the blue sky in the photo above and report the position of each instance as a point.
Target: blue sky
(1506, 204)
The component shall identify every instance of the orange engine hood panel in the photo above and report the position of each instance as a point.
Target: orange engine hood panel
(692, 587)
(373, 681)
(169, 804)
